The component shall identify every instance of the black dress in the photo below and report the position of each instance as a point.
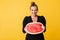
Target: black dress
(40, 36)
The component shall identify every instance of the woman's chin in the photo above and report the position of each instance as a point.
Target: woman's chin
(34, 14)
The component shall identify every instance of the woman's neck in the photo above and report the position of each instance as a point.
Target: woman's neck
(33, 16)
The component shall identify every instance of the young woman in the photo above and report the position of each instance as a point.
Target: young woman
(34, 18)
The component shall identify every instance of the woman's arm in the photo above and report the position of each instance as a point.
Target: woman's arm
(44, 22)
(24, 24)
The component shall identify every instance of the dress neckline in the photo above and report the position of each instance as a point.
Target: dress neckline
(32, 20)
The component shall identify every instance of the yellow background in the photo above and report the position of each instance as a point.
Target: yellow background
(12, 13)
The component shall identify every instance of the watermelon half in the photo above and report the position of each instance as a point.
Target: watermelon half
(34, 28)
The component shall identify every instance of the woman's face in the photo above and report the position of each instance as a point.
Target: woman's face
(33, 10)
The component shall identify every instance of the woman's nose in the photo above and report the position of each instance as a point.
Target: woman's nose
(33, 11)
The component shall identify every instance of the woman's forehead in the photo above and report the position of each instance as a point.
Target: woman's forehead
(34, 7)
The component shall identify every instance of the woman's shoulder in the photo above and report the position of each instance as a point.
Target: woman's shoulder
(41, 16)
(27, 17)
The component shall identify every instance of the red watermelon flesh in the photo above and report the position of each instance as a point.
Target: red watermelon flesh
(34, 27)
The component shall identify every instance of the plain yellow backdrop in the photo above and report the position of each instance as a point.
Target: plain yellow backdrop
(12, 13)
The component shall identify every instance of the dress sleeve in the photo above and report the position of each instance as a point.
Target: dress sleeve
(24, 24)
(44, 22)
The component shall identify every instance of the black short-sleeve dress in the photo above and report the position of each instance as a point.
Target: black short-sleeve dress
(40, 36)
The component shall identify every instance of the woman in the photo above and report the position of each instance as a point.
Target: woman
(34, 18)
